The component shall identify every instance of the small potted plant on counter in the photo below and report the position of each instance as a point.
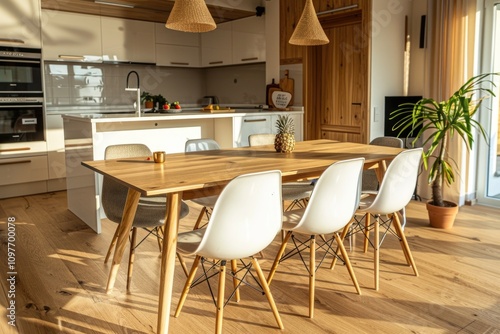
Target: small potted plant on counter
(440, 121)
(147, 99)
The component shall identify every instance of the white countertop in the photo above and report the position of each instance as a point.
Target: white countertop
(184, 114)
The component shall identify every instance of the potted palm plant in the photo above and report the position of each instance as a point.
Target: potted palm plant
(438, 122)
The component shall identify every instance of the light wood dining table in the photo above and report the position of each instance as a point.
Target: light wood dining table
(197, 174)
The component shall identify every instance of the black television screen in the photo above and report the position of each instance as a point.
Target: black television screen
(393, 103)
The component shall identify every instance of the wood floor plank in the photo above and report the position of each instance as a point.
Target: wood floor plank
(61, 281)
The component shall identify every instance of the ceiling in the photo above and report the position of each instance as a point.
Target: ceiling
(144, 10)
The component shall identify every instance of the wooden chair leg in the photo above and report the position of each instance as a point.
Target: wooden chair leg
(367, 232)
(112, 244)
(405, 253)
(187, 285)
(312, 275)
(220, 298)
(131, 257)
(183, 264)
(404, 244)
(342, 237)
(159, 236)
(200, 218)
(376, 252)
(278, 257)
(267, 292)
(347, 262)
(234, 268)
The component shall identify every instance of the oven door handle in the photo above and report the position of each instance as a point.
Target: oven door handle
(23, 61)
(2, 106)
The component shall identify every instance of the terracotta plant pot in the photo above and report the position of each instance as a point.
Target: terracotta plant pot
(442, 217)
(148, 104)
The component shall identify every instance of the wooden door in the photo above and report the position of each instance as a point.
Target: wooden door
(338, 107)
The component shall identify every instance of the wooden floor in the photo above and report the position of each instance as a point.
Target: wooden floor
(61, 278)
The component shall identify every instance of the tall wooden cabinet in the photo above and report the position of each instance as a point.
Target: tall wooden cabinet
(336, 75)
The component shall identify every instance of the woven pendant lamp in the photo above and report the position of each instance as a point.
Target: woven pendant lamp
(190, 16)
(309, 31)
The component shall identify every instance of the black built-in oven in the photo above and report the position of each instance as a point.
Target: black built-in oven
(20, 72)
(21, 119)
(21, 95)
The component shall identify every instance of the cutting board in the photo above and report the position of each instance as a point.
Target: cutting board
(268, 91)
(215, 111)
(287, 85)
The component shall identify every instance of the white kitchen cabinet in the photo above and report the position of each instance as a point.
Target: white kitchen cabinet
(55, 147)
(177, 48)
(177, 55)
(174, 37)
(23, 169)
(216, 46)
(262, 123)
(249, 40)
(23, 175)
(20, 23)
(71, 36)
(128, 40)
(249, 125)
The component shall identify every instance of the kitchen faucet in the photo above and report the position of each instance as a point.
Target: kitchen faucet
(138, 90)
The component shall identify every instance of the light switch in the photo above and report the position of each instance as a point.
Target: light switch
(376, 115)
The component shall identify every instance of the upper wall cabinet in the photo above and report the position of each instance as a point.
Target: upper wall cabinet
(249, 40)
(217, 46)
(176, 48)
(128, 40)
(65, 40)
(20, 23)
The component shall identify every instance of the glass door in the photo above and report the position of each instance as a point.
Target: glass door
(489, 154)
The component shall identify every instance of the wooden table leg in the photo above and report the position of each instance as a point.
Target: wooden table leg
(123, 233)
(168, 261)
(380, 170)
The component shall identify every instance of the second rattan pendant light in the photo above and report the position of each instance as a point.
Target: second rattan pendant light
(190, 16)
(308, 30)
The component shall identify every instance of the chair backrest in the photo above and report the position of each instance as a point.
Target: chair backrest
(261, 139)
(114, 194)
(388, 141)
(398, 185)
(246, 217)
(334, 199)
(370, 180)
(203, 144)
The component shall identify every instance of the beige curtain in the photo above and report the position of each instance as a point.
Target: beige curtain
(451, 45)
(449, 63)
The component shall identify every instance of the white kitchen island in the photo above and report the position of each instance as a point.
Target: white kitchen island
(86, 137)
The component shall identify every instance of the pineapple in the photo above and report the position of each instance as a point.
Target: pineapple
(284, 141)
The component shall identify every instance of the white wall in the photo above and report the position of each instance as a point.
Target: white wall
(388, 57)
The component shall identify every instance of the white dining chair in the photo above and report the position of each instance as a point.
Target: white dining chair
(331, 207)
(151, 211)
(370, 184)
(245, 219)
(207, 203)
(395, 192)
(295, 193)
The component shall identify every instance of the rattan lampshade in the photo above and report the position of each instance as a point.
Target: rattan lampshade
(309, 31)
(190, 16)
